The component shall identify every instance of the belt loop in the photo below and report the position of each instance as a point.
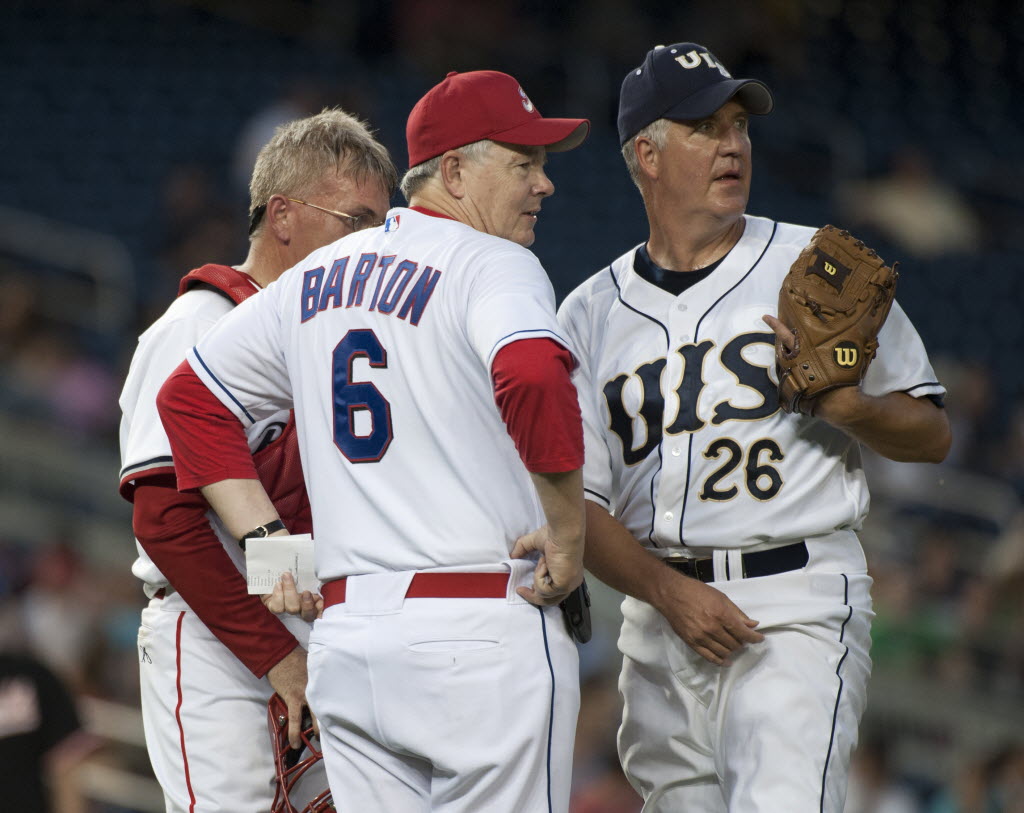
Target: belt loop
(521, 575)
(720, 562)
(376, 593)
(734, 563)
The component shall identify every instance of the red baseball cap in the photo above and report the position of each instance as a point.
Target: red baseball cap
(468, 107)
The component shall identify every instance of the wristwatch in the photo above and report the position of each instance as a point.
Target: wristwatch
(262, 530)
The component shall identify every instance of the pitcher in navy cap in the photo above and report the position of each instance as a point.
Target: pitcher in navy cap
(683, 82)
(728, 524)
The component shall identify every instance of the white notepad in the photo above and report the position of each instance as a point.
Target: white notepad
(267, 558)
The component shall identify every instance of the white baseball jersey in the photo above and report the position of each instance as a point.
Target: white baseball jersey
(145, 449)
(384, 341)
(684, 437)
(686, 443)
(195, 694)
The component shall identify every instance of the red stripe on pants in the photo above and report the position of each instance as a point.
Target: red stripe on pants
(177, 715)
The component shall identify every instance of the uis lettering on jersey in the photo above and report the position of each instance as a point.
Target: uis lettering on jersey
(381, 284)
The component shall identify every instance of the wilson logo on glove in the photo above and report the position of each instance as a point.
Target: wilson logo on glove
(846, 354)
(835, 299)
(829, 269)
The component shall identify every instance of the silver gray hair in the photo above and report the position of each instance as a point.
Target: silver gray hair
(417, 176)
(303, 151)
(656, 131)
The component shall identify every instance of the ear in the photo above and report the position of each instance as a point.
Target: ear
(452, 173)
(279, 218)
(648, 156)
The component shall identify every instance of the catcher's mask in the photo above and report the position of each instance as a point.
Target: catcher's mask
(292, 764)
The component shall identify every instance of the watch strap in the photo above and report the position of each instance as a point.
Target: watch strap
(261, 531)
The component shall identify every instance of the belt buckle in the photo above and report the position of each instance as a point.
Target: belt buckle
(690, 567)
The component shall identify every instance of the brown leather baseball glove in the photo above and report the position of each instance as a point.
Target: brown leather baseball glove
(835, 298)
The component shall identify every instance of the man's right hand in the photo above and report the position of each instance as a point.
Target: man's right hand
(286, 599)
(288, 677)
(705, 618)
(559, 569)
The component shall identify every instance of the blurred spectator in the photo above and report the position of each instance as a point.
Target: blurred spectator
(58, 612)
(302, 96)
(970, 400)
(598, 721)
(607, 790)
(42, 744)
(599, 785)
(912, 207)
(992, 784)
(17, 305)
(196, 223)
(47, 378)
(1008, 456)
(873, 788)
(426, 36)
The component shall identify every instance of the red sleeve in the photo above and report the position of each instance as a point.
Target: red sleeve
(538, 403)
(207, 442)
(174, 531)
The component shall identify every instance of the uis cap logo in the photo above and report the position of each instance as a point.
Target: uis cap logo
(846, 355)
(392, 223)
(829, 269)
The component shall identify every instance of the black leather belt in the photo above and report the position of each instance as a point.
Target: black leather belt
(760, 563)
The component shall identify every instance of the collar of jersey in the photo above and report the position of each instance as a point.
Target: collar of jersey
(430, 212)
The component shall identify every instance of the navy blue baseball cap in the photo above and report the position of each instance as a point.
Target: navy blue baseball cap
(683, 82)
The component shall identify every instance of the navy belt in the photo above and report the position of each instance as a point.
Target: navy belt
(760, 563)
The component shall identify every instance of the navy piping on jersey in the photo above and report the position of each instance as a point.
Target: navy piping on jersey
(219, 384)
(839, 694)
(551, 710)
(558, 338)
(936, 398)
(696, 338)
(618, 288)
(145, 464)
(923, 384)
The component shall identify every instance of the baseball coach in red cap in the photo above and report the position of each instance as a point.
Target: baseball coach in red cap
(442, 440)
(477, 147)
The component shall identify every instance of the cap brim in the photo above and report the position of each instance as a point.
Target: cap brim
(752, 94)
(558, 135)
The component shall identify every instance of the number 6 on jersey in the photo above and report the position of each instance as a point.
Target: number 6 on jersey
(352, 396)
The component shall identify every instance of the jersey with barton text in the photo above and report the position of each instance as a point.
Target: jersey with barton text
(383, 341)
(685, 440)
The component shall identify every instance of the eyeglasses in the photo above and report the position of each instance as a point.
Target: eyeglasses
(355, 222)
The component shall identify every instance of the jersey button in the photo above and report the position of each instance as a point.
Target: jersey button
(668, 516)
(680, 307)
(676, 451)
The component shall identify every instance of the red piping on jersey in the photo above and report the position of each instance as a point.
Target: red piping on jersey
(177, 714)
(236, 284)
(423, 210)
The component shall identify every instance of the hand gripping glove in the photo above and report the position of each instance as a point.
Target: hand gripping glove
(835, 298)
